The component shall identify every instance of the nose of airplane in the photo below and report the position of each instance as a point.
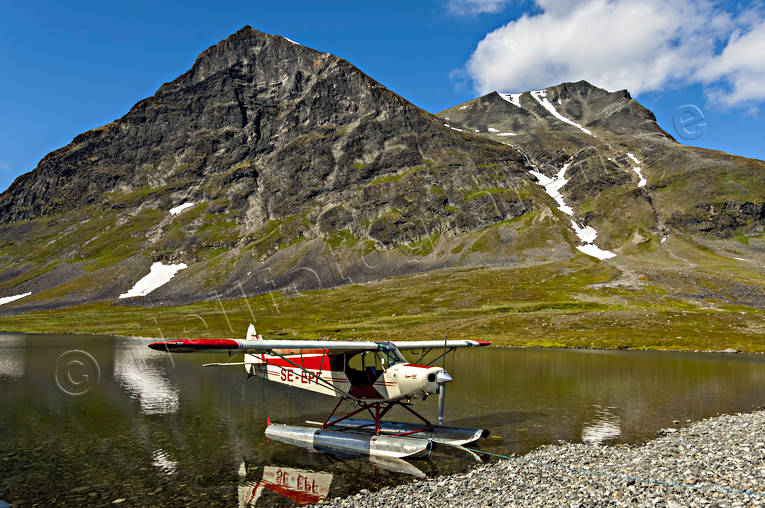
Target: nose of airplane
(436, 377)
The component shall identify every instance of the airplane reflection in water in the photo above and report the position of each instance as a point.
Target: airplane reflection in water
(303, 487)
(137, 369)
(308, 487)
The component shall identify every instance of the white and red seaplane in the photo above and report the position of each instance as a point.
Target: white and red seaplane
(374, 376)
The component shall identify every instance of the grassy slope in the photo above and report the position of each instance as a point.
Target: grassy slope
(548, 305)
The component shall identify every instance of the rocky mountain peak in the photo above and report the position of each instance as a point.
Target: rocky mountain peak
(585, 108)
(247, 96)
(584, 90)
(246, 46)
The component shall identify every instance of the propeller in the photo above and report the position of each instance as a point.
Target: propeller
(442, 378)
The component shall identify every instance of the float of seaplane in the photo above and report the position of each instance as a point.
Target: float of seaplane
(374, 377)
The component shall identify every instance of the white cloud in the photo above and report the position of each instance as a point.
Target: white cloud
(471, 7)
(642, 46)
(558, 6)
(737, 74)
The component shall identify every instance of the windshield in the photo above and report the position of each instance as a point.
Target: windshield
(391, 355)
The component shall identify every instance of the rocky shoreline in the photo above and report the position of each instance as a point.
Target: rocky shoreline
(715, 462)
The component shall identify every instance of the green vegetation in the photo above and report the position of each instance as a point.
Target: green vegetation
(458, 249)
(127, 198)
(340, 238)
(551, 305)
(370, 246)
(487, 242)
(472, 194)
(394, 178)
(116, 243)
(421, 247)
(97, 238)
(277, 234)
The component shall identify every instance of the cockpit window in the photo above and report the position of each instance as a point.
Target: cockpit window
(391, 355)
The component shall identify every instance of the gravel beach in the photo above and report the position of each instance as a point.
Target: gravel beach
(725, 453)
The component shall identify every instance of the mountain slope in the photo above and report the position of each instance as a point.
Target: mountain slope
(688, 220)
(615, 152)
(271, 166)
(301, 169)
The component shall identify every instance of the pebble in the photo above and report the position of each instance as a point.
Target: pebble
(710, 458)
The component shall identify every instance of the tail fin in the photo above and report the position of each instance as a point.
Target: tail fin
(252, 334)
(250, 359)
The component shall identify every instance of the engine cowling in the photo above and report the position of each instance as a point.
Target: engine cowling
(417, 381)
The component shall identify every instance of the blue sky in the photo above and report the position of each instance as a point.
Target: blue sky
(71, 67)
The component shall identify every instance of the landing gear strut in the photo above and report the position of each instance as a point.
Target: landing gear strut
(380, 410)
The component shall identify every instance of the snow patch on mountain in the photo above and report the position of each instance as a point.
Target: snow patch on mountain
(512, 98)
(9, 299)
(595, 251)
(178, 209)
(507, 134)
(586, 234)
(639, 172)
(552, 187)
(159, 275)
(452, 128)
(492, 129)
(541, 98)
(637, 169)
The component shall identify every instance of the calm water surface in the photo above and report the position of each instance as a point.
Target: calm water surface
(112, 419)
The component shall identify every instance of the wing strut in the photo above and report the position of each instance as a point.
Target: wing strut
(426, 352)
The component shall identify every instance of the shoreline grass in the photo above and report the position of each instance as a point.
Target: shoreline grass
(544, 306)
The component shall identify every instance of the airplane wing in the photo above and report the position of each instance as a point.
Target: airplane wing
(433, 344)
(259, 346)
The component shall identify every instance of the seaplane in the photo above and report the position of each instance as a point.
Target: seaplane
(374, 377)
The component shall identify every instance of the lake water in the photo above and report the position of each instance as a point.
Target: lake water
(93, 419)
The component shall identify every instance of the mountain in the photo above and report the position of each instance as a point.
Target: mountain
(301, 170)
(603, 137)
(269, 165)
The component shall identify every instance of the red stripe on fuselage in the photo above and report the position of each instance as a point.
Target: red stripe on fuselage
(307, 362)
